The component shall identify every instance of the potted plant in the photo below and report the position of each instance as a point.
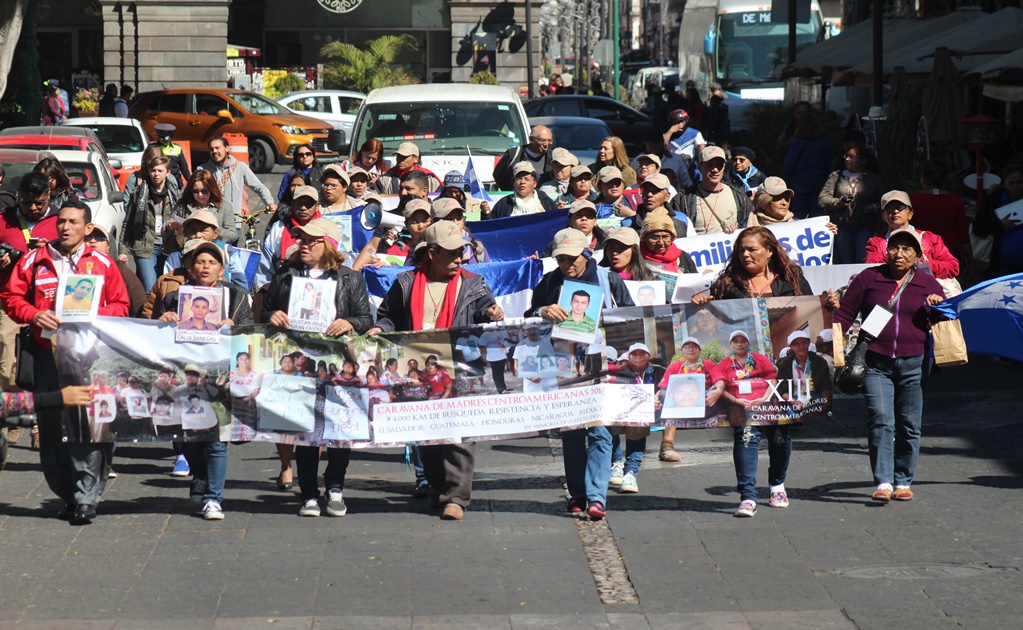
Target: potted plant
(86, 102)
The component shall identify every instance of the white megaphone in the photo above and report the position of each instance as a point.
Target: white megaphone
(373, 216)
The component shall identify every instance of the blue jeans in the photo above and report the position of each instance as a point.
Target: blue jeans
(307, 459)
(746, 450)
(587, 468)
(417, 464)
(149, 269)
(851, 242)
(633, 454)
(207, 462)
(895, 403)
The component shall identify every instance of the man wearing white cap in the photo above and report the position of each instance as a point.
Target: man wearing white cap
(406, 158)
(441, 294)
(305, 207)
(525, 199)
(625, 466)
(714, 206)
(811, 378)
(535, 152)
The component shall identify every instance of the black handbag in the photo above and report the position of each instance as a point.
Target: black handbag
(849, 379)
(25, 350)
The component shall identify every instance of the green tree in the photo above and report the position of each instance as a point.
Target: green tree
(285, 85)
(483, 77)
(368, 68)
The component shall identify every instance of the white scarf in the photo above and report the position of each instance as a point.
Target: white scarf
(531, 205)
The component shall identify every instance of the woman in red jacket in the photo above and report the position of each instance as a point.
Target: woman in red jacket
(897, 213)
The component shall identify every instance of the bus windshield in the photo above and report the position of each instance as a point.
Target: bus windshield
(443, 128)
(750, 46)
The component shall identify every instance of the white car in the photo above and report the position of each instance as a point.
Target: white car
(123, 138)
(336, 107)
(90, 177)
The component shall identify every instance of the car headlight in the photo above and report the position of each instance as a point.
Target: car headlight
(291, 129)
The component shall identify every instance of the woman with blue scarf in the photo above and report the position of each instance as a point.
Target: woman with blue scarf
(743, 175)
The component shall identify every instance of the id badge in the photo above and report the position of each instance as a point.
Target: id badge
(876, 321)
(745, 387)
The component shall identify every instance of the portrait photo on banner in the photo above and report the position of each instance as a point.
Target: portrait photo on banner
(311, 305)
(344, 224)
(77, 297)
(583, 303)
(145, 379)
(200, 311)
(646, 293)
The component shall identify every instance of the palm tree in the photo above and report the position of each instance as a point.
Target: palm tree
(365, 69)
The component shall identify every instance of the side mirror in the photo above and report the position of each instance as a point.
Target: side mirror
(710, 41)
(115, 164)
(117, 197)
(225, 114)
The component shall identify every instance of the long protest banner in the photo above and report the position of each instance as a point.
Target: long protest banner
(808, 242)
(270, 384)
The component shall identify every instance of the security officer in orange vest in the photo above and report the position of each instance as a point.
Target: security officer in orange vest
(178, 164)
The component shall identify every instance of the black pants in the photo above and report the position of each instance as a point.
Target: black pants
(307, 459)
(449, 469)
(497, 369)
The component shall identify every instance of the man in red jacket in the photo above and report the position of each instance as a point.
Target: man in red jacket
(27, 222)
(75, 470)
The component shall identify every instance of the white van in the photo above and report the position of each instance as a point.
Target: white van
(446, 121)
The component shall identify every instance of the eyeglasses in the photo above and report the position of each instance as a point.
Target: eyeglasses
(35, 203)
(894, 208)
(851, 156)
(200, 191)
(901, 249)
(304, 154)
(330, 186)
(659, 237)
(308, 240)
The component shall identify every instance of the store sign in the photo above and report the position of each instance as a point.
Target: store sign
(340, 6)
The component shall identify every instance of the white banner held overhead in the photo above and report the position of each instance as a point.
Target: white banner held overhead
(808, 242)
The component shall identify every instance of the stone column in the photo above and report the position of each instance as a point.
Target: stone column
(180, 43)
(499, 23)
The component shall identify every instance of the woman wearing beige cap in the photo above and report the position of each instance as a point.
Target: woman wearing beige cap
(623, 256)
(582, 215)
(612, 201)
(612, 153)
(580, 187)
(897, 211)
(657, 244)
(555, 183)
(318, 257)
(525, 199)
(772, 203)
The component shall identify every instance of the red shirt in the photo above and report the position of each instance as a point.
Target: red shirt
(708, 368)
(762, 371)
(36, 275)
(944, 214)
(12, 231)
(438, 382)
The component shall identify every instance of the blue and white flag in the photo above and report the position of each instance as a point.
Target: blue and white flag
(991, 314)
(514, 238)
(476, 189)
(511, 282)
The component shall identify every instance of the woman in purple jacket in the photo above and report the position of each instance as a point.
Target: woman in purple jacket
(895, 360)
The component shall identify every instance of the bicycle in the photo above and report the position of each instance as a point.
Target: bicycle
(249, 227)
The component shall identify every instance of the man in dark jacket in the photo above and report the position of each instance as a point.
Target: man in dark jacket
(587, 472)
(540, 139)
(714, 206)
(412, 304)
(406, 160)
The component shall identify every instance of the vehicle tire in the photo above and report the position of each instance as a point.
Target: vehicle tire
(261, 156)
(3, 448)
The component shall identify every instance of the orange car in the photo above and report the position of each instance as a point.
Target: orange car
(200, 114)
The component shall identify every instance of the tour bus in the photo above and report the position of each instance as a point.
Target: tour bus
(735, 44)
(446, 121)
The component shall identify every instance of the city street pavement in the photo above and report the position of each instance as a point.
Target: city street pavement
(672, 556)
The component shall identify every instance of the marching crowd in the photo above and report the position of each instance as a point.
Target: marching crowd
(181, 228)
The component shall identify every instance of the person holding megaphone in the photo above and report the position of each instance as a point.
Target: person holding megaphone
(396, 236)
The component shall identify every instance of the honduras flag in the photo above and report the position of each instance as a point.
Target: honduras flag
(476, 189)
(991, 314)
(511, 282)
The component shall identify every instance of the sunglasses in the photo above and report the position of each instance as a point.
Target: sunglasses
(304, 154)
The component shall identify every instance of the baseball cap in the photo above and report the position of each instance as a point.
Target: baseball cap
(798, 334)
(639, 346)
(196, 246)
(827, 335)
(320, 228)
(650, 157)
(692, 340)
(99, 233)
(524, 167)
(530, 325)
(581, 171)
(570, 242)
(416, 205)
(580, 205)
(443, 206)
(911, 233)
(612, 354)
(202, 216)
(895, 195)
(305, 191)
(624, 235)
(446, 235)
(609, 174)
(776, 186)
(407, 148)
(563, 156)
(657, 180)
(339, 172)
(738, 333)
(357, 170)
(709, 153)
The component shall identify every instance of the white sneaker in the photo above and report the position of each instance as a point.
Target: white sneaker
(746, 509)
(617, 472)
(335, 503)
(629, 484)
(212, 511)
(310, 508)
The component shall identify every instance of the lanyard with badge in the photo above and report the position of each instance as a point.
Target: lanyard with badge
(878, 318)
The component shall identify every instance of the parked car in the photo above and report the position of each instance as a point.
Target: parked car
(337, 107)
(123, 138)
(447, 121)
(581, 136)
(629, 124)
(41, 138)
(200, 114)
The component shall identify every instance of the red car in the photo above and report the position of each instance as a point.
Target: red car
(50, 138)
